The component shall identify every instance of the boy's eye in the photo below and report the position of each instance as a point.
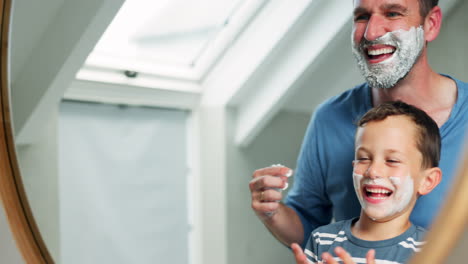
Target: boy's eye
(393, 161)
(362, 160)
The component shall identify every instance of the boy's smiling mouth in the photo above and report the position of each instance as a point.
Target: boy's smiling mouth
(376, 193)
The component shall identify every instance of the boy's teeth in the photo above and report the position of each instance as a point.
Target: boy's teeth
(380, 51)
(379, 197)
(372, 190)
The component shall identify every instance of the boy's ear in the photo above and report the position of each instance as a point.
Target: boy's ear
(430, 180)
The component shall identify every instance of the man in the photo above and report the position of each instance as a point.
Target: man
(390, 45)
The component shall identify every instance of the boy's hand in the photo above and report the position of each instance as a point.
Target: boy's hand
(345, 257)
(299, 255)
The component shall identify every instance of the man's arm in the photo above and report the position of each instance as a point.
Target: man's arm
(285, 225)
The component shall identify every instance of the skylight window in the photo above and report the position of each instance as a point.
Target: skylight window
(173, 33)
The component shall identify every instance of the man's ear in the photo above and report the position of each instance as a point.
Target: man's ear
(430, 180)
(432, 23)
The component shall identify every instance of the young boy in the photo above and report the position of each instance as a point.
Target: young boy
(397, 150)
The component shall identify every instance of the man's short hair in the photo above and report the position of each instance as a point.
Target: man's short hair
(426, 5)
(428, 140)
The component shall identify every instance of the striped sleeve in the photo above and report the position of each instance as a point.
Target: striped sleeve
(412, 244)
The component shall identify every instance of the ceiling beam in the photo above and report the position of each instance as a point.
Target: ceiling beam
(250, 50)
(55, 59)
(269, 88)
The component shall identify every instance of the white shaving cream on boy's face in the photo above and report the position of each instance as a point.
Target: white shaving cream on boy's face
(381, 197)
(406, 46)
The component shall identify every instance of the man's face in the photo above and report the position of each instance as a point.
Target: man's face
(387, 167)
(387, 39)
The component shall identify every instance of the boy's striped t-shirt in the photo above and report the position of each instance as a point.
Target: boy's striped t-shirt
(391, 251)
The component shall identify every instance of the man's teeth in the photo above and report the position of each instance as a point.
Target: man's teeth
(375, 190)
(380, 51)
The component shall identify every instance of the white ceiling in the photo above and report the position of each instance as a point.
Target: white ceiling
(283, 58)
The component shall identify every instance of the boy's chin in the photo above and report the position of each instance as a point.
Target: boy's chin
(381, 215)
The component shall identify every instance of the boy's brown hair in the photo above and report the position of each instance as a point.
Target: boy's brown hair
(428, 139)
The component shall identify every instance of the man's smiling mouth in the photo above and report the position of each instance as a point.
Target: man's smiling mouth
(379, 54)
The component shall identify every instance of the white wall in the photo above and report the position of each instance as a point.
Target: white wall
(448, 53)
(39, 170)
(248, 240)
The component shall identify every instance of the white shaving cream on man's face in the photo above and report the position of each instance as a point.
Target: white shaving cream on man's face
(402, 192)
(386, 74)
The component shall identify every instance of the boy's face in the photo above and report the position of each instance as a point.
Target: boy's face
(387, 167)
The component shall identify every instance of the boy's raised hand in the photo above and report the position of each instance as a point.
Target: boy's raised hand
(299, 255)
(301, 258)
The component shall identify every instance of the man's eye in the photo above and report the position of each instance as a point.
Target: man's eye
(362, 17)
(393, 14)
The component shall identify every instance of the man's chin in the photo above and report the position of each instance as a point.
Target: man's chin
(380, 83)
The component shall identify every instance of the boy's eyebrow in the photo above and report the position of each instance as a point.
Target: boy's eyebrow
(388, 151)
(393, 151)
(362, 149)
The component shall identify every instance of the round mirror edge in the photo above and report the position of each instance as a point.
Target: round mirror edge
(450, 222)
(21, 221)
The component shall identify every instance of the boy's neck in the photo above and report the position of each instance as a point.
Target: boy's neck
(374, 230)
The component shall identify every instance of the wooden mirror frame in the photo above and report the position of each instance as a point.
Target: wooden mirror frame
(448, 228)
(21, 221)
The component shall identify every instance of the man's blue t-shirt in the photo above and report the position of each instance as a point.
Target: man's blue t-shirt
(323, 184)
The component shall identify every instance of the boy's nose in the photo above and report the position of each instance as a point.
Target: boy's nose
(373, 171)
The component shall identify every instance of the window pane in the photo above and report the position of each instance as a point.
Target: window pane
(166, 32)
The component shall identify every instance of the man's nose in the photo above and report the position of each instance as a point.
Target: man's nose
(375, 28)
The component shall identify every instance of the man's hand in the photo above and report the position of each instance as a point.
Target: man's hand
(345, 257)
(265, 189)
(299, 255)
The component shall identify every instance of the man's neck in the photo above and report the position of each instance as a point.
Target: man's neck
(374, 230)
(423, 88)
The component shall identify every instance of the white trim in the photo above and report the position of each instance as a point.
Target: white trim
(115, 93)
(194, 189)
(141, 80)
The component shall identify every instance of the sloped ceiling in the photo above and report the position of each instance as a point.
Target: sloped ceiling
(50, 41)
